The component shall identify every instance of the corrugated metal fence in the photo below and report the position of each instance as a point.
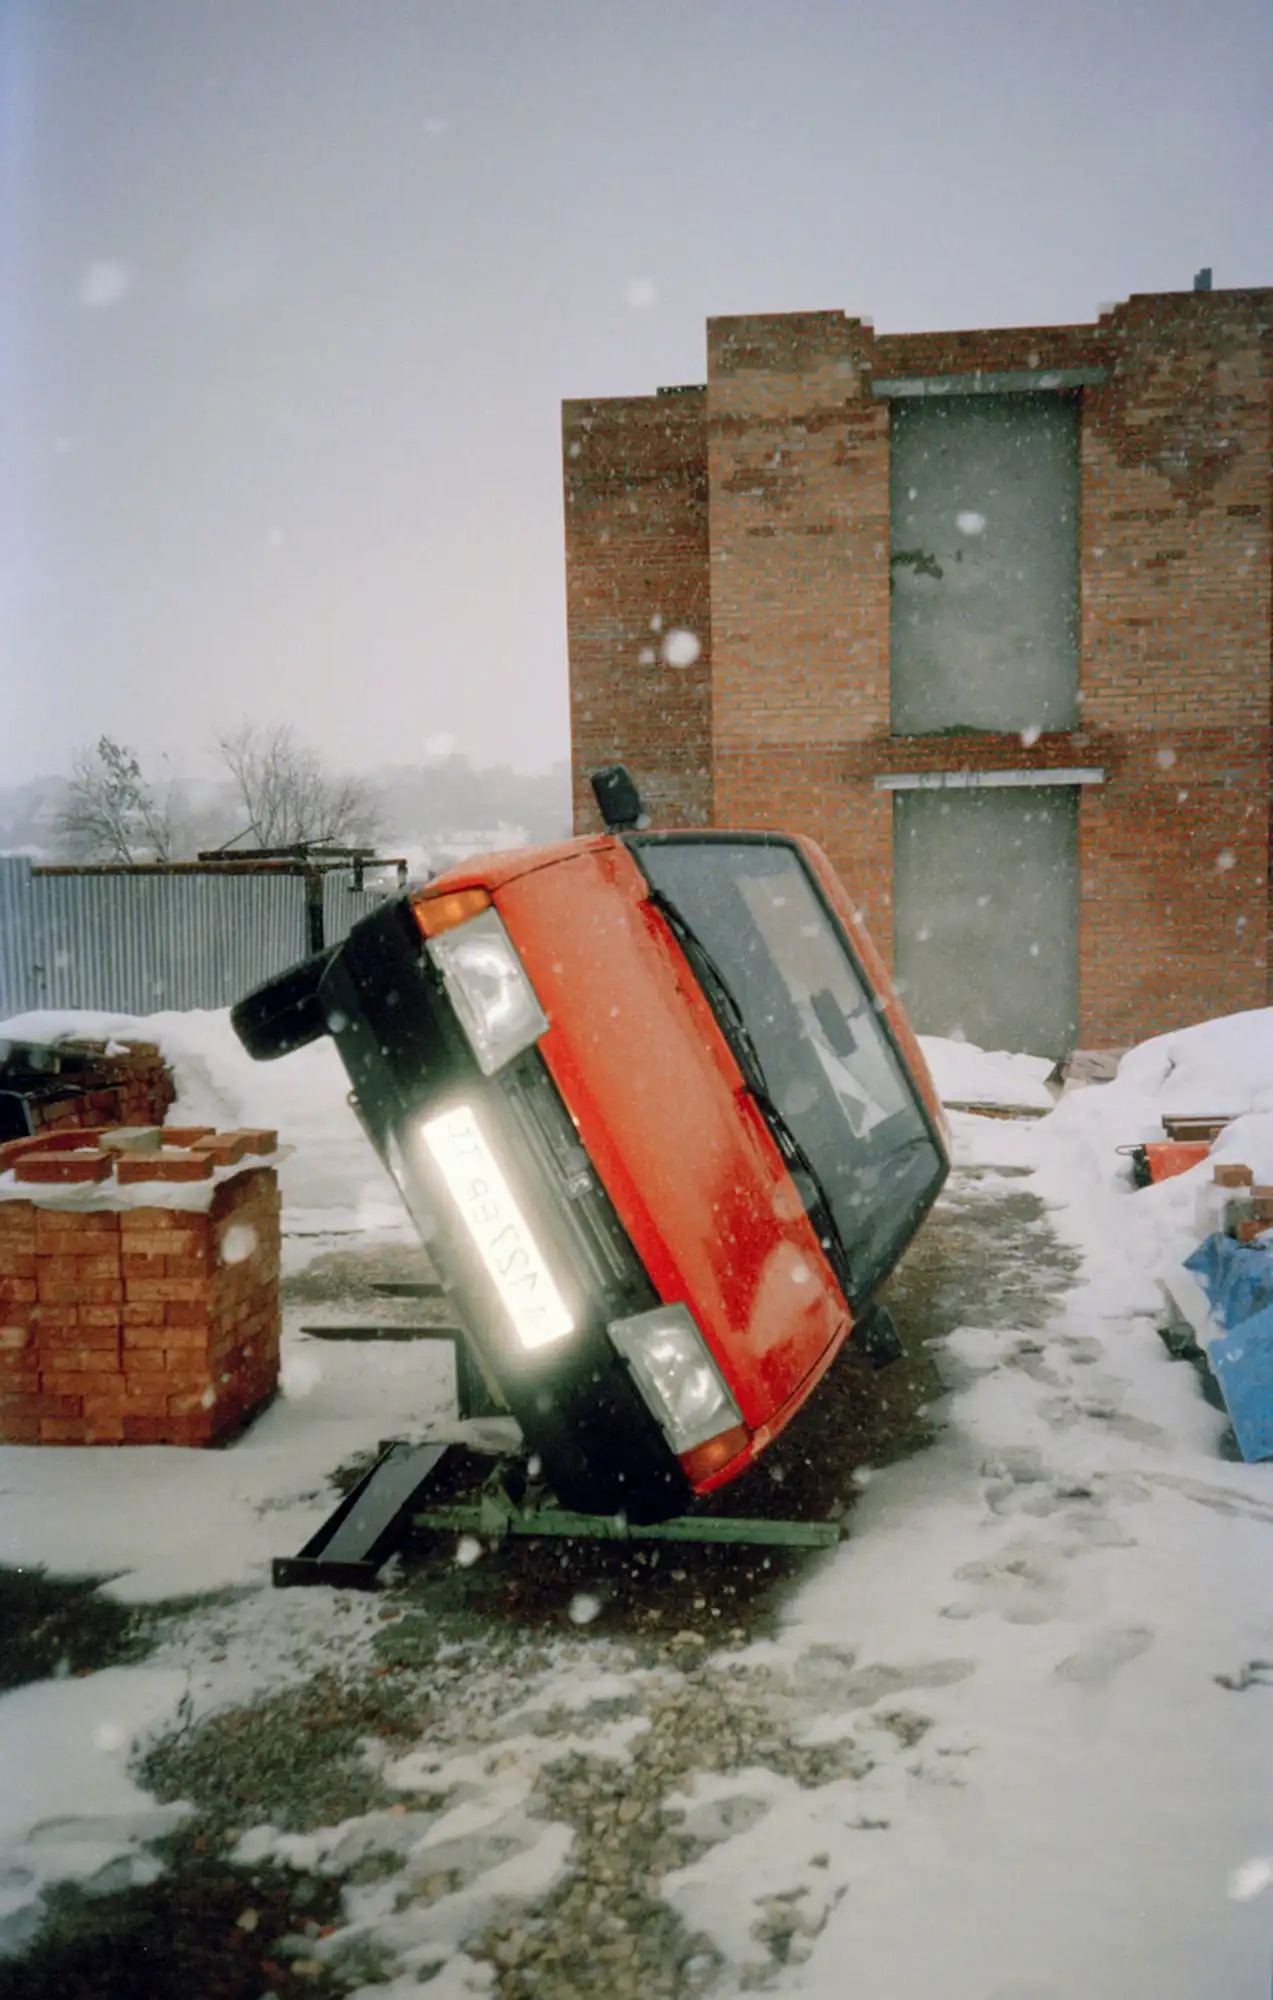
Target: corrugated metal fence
(343, 904)
(141, 941)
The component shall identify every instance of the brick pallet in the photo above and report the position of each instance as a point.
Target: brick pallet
(129, 1085)
(138, 1288)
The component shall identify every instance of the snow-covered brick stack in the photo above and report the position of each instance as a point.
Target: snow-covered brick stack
(138, 1287)
(129, 1083)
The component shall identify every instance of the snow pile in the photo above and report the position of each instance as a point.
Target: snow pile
(965, 1074)
(1216, 1069)
(1219, 1068)
(68, 1809)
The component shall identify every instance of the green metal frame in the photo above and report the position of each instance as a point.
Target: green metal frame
(498, 1515)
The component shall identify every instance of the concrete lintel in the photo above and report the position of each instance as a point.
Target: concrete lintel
(981, 382)
(963, 781)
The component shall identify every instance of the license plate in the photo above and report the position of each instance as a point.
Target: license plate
(498, 1228)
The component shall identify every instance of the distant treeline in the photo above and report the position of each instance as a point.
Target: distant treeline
(428, 806)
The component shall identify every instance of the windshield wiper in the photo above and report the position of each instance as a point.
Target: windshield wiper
(717, 987)
(816, 1204)
(734, 1027)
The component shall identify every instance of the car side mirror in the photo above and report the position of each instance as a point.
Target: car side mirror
(622, 807)
(834, 1022)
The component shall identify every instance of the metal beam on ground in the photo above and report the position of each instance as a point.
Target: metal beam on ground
(493, 1518)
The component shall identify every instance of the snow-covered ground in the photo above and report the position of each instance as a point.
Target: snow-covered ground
(1042, 1659)
(965, 1074)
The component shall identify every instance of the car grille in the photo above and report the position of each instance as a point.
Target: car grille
(548, 1136)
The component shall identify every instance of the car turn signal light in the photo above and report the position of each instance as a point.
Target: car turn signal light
(436, 914)
(705, 1459)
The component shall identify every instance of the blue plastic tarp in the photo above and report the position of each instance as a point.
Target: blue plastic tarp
(1238, 1281)
(1243, 1366)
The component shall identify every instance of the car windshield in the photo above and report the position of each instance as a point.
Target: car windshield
(830, 1065)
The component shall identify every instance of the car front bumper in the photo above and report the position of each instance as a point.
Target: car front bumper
(413, 1074)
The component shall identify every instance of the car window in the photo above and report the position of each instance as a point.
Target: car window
(831, 1066)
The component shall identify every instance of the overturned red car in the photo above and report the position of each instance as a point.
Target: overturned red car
(660, 1121)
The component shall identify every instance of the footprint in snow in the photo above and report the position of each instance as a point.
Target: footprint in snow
(1099, 1659)
(1253, 1673)
(859, 1687)
(1021, 1585)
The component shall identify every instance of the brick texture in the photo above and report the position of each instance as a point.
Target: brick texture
(140, 1325)
(758, 509)
(129, 1086)
(636, 573)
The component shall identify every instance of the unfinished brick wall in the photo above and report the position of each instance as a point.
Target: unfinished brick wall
(799, 510)
(128, 1322)
(1175, 626)
(636, 536)
(1177, 558)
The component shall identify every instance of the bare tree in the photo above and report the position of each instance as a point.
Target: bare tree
(114, 813)
(287, 797)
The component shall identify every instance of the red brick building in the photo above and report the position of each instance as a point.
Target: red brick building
(987, 613)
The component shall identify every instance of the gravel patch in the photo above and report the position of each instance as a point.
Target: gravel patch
(609, 1924)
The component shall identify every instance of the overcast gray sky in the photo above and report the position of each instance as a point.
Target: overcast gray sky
(291, 290)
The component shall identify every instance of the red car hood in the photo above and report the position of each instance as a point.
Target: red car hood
(661, 1108)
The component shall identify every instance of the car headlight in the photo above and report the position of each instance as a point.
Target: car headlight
(489, 989)
(676, 1374)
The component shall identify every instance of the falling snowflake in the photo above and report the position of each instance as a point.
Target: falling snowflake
(1251, 1879)
(238, 1243)
(299, 1375)
(681, 647)
(104, 282)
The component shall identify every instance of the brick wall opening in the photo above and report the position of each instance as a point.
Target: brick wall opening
(984, 494)
(986, 914)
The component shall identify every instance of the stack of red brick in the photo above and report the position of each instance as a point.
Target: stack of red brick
(130, 1085)
(129, 1153)
(126, 1322)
